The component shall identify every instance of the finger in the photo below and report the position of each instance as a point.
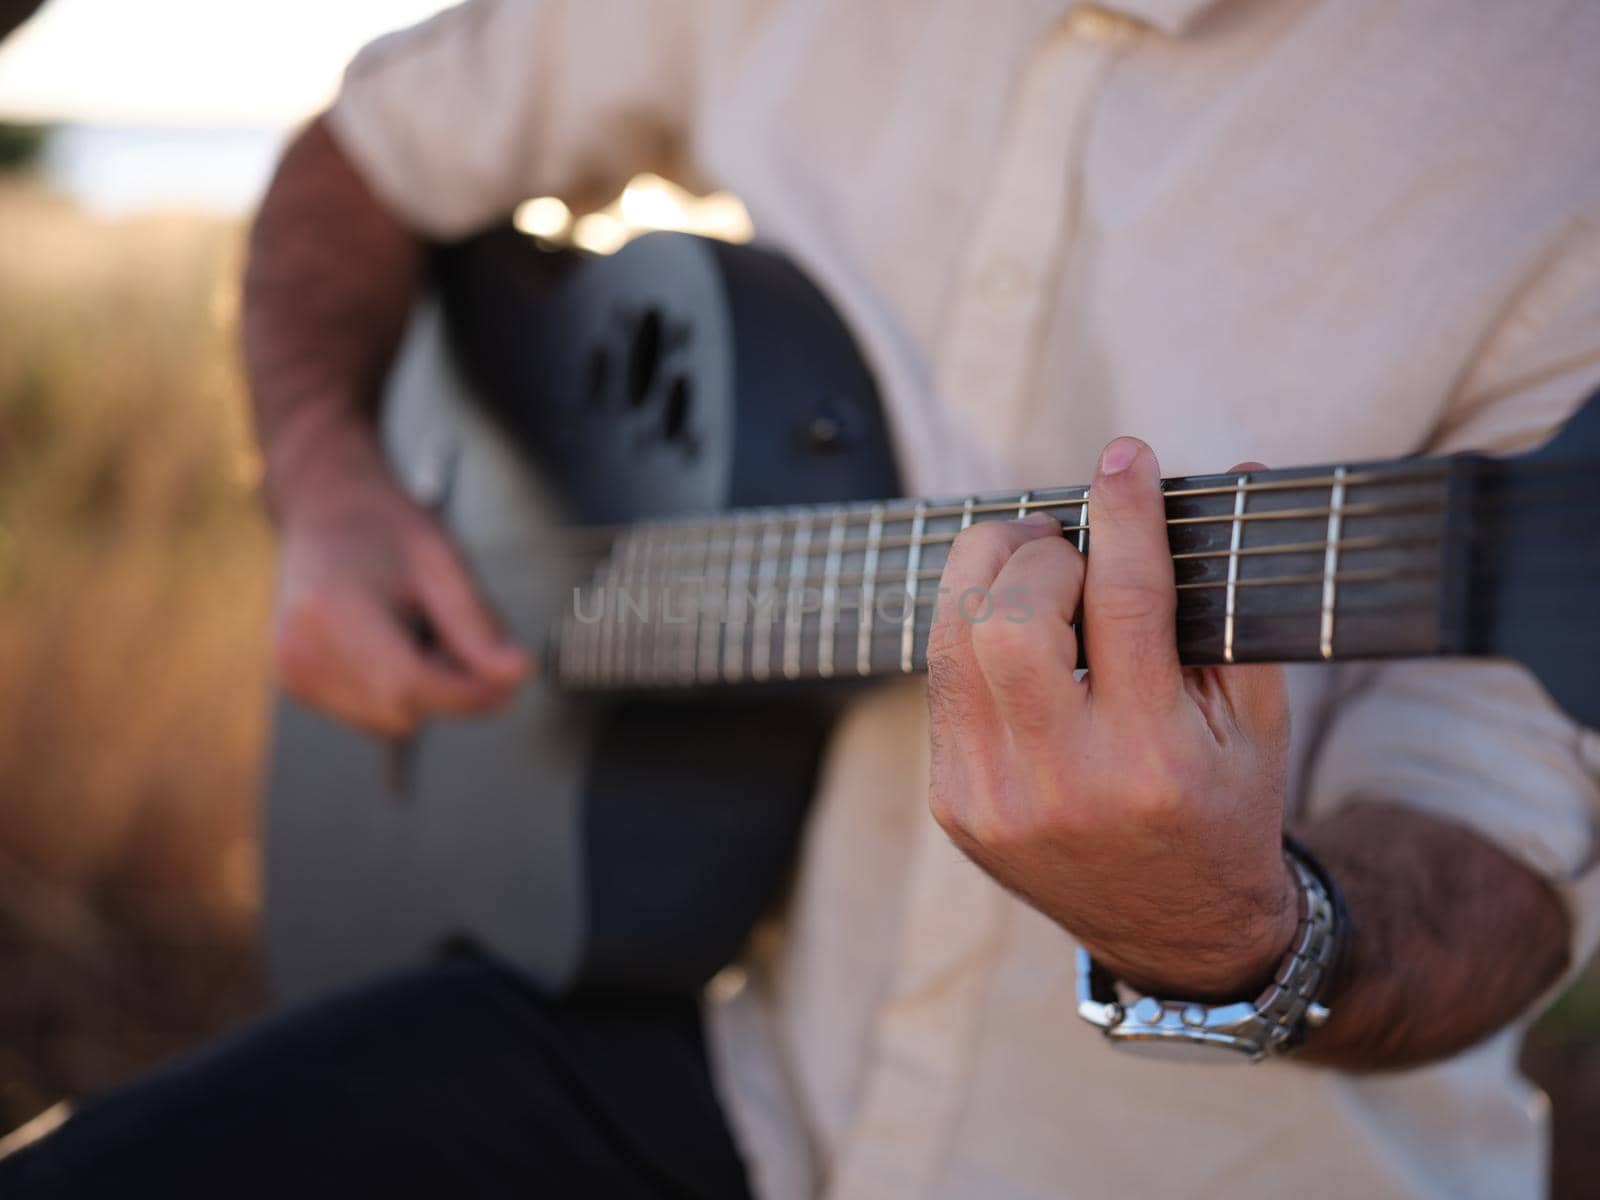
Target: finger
(966, 586)
(1028, 649)
(399, 681)
(1130, 598)
(963, 726)
(349, 657)
(460, 619)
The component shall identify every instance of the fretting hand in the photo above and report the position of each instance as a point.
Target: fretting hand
(1141, 807)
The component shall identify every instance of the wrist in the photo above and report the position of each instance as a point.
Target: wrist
(1274, 1021)
(1234, 961)
(316, 459)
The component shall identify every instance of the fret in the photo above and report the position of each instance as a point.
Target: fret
(616, 618)
(626, 602)
(665, 626)
(1022, 505)
(734, 612)
(966, 511)
(794, 612)
(866, 619)
(710, 631)
(1230, 612)
(830, 597)
(766, 600)
(644, 630)
(693, 585)
(1330, 563)
(1083, 524)
(908, 623)
(605, 631)
(674, 606)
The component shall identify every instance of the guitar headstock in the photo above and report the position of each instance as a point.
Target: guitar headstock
(1528, 532)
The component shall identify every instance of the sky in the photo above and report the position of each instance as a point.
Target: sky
(207, 63)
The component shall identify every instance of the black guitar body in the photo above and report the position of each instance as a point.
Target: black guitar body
(621, 848)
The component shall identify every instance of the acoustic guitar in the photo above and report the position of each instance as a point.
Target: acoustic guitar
(670, 474)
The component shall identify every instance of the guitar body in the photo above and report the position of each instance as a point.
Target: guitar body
(620, 847)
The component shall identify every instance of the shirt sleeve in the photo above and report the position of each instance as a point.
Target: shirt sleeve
(455, 121)
(1479, 742)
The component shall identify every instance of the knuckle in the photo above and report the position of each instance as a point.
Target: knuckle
(946, 812)
(983, 537)
(1133, 602)
(1006, 641)
(1017, 660)
(1156, 792)
(995, 833)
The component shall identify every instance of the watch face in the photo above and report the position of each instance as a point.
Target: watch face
(1184, 1050)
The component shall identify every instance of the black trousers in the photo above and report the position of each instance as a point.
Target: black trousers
(453, 1081)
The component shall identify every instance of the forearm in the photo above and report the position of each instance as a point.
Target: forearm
(1451, 938)
(331, 279)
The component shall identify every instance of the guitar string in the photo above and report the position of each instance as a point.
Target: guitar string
(606, 535)
(1375, 510)
(858, 512)
(880, 626)
(686, 582)
(1369, 542)
(892, 573)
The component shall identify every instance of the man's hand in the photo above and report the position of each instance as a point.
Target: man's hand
(364, 571)
(378, 621)
(1142, 807)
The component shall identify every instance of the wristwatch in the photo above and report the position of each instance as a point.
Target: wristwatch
(1244, 1031)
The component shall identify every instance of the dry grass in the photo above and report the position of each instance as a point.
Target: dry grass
(134, 591)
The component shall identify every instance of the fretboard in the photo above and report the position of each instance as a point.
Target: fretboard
(1316, 563)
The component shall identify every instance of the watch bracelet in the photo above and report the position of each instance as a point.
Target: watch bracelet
(1276, 1020)
(1333, 974)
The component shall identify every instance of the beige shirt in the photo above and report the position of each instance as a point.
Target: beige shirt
(1287, 230)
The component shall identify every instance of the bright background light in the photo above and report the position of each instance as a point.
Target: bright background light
(184, 104)
(189, 62)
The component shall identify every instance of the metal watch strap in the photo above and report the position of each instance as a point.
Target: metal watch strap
(1274, 1022)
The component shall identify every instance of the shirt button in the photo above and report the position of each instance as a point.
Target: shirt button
(1091, 23)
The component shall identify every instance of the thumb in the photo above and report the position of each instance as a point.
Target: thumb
(459, 617)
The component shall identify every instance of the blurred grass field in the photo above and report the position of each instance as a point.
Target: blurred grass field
(135, 578)
(135, 587)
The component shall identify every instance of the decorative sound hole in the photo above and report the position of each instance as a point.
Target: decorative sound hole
(644, 356)
(675, 414)
(597, 376)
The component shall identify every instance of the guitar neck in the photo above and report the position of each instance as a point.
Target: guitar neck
(1311, 564)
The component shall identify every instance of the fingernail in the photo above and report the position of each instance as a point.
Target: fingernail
(1036, 518)
(1118, 456)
